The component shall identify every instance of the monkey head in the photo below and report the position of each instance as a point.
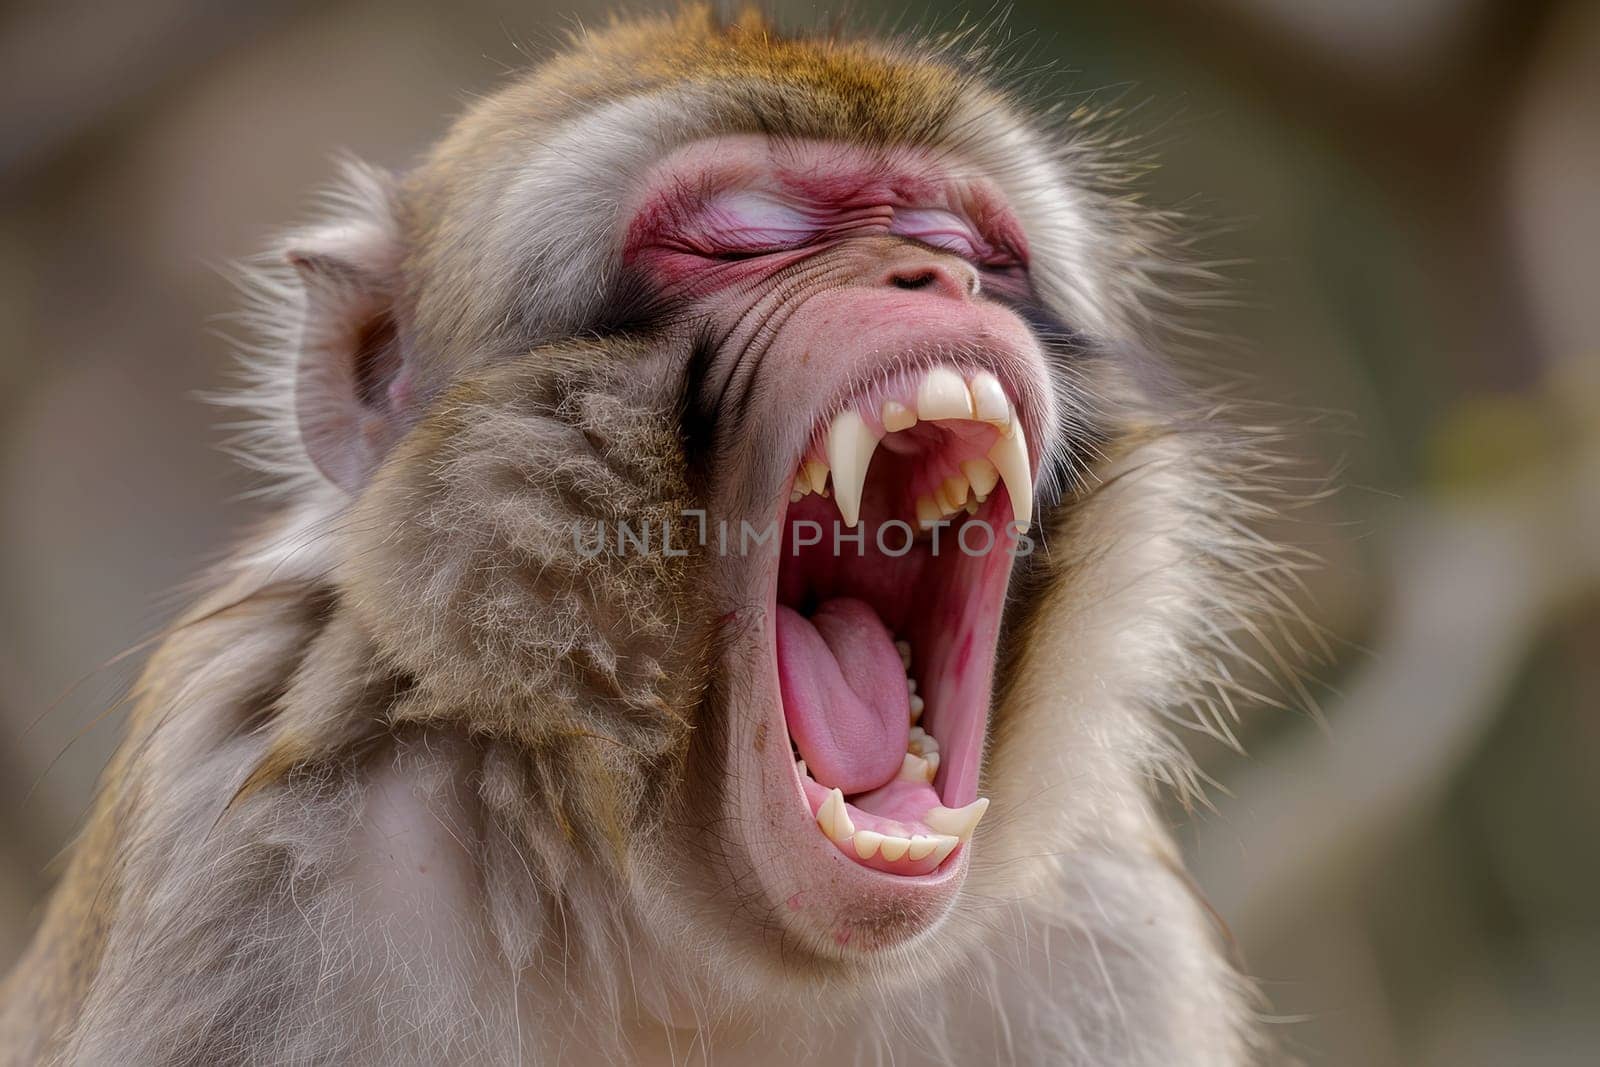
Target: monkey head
(754, 442)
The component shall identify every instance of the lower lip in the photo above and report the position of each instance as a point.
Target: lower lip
(828, 899)
(818, 894)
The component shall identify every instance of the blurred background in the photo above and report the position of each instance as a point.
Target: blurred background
(1409, 193)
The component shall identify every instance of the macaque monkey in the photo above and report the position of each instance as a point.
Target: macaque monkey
(598, 692)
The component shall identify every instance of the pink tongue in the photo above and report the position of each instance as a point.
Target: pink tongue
(844, 694)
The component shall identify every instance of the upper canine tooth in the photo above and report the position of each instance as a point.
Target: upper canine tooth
(850, 446)
(982, 475)
(957, 821)
(928, 513)
(1010, 457)
(989, 400)
(896, 416)
(943, 395)
(834, 819)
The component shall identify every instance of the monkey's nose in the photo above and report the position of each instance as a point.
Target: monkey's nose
(941, 275)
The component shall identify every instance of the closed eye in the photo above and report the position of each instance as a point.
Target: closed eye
(744, 224)
(944, 230)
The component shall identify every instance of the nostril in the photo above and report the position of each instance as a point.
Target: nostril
(914, 281)
(954, 280)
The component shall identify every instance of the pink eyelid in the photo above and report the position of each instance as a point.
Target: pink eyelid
(754, 222)
(941, 229)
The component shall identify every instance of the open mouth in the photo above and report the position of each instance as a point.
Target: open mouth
(902, 522)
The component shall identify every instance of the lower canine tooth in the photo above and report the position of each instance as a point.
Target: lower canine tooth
(867, 842)
(917, 704)
(959, 822)
(904, 648)
(834, 819)
(943, 845)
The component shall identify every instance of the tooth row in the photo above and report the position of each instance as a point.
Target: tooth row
(868, 843)
(1007, 459)
(951, 497)
(943, 394)
(921, 761)
(916, 702)
(952, 826)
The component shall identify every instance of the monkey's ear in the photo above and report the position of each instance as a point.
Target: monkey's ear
(351, 382)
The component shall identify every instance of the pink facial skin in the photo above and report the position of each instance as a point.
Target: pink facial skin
(829, 277)
(720, 212)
